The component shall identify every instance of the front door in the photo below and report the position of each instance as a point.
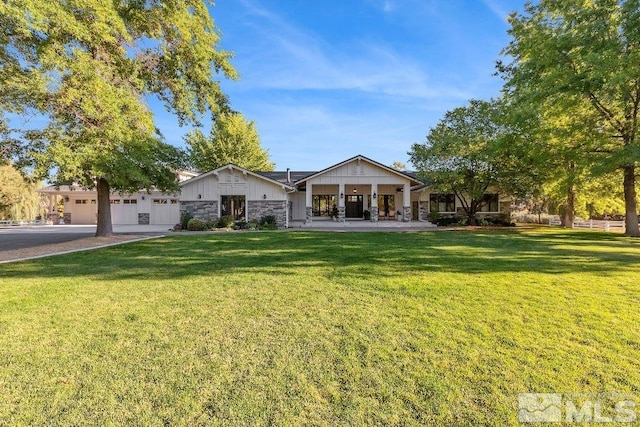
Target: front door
(353, 206)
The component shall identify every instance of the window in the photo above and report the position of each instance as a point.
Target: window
(489, 203)
(323, 204)
(442, 203)
(114, 201)
(126, 201)
(81, 201)
(160, 201)
(233, 206)
(386, 206)
(174, 201)
(130, 201)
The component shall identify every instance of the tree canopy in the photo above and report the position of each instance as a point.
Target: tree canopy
(579, 60)
(232, 139)
(459, 156)
(399, 166)
(89, 67)
(18, 197)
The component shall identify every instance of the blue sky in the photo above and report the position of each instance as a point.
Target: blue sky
(326, 80)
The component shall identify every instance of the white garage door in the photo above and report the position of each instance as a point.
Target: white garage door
(124, 211)
(83, 211)
(164, 211)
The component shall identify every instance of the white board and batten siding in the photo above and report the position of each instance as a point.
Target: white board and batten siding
(232, 182)
(355, 173)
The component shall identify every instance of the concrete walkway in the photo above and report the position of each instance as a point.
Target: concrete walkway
(361, 225)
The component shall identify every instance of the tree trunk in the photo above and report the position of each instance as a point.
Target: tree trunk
(472, 219)
(630, 202)
(104, 228)
(569, 208)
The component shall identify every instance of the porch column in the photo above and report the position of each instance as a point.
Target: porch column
(341, 199)
(309, 203)
(374, 202)
(52, 212)
(406, 203)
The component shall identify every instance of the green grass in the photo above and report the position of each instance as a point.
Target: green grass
(318, 328)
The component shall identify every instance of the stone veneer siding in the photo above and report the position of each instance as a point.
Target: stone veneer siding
(143, 219)
(406, 213)
(423, 210)
(259, 208)
(206, 210)
(53, 218)
(374, 213)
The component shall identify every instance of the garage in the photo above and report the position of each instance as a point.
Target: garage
(164, 211)
(84, 211)
(124, 211)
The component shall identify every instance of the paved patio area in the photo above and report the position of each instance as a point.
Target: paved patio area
(362, 225)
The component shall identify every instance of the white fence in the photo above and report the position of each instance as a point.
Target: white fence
(23, 222)
(593, 224)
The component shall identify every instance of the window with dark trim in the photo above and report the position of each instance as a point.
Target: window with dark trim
(442, 203)
(233, 206)
(323, 204)
(386, 206)
(489, 203)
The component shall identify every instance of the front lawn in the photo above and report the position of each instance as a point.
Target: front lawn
(318, 328)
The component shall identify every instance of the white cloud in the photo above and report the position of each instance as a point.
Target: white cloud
(297, 59)
(497, 9)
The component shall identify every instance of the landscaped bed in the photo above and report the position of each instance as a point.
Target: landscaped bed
(318, 328)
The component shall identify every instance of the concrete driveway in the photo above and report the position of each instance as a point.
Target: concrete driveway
(12, 238)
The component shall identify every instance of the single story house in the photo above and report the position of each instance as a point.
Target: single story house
(348, 188)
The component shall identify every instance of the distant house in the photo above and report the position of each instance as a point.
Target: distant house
(352, 187)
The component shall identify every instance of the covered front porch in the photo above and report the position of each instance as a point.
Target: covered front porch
(356, 201)
(356, 189)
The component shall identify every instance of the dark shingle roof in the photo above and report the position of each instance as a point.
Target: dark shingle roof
(281, 176)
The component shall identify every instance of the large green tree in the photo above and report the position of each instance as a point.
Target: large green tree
(89, 68)
(460, 155)
(581, 59)
(556, 147)
(232, 139)
(18, 197)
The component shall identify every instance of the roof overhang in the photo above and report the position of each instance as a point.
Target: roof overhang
(359, 157)
(245, 172)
